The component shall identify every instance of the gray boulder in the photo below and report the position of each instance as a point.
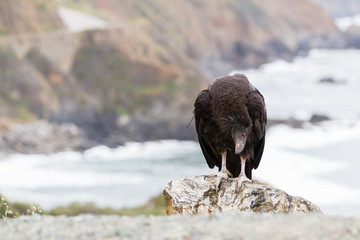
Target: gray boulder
(198, 194)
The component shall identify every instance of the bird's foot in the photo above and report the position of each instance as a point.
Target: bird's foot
(242, 178)
(226, 173)
(223, 174)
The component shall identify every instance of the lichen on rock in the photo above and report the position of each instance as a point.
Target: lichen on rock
(198, 194)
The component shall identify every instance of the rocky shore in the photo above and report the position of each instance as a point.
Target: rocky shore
(44, 137)
(219, 226)
(40, 137)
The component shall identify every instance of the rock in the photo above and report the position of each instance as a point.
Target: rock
(327, 80)
(194, 195)
(40, 137)
(330, 80)
(315, 118)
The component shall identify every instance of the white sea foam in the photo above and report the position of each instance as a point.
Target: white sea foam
(127, 175)
(292, 89)
(160, 150)
(345, 23)
(288, 165)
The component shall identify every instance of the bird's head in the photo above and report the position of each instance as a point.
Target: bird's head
(239, 135)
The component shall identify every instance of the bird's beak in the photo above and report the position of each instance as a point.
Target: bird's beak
(239, 141)
(239, 146)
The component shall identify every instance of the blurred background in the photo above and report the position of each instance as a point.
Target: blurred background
(96, 95)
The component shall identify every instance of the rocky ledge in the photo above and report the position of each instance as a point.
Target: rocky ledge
(198, 194)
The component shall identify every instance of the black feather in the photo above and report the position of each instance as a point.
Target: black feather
(190, 121)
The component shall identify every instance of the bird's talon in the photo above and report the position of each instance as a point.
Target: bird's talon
(219, 176)
(229, 173)
(242, 179)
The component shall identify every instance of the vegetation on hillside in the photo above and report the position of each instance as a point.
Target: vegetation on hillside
(40, 16)
(14, 87)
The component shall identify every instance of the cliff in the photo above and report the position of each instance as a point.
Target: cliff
(98, 81)
(24, 16)
(137, 79)
(224, 35)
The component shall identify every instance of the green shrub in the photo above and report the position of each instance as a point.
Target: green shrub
(16, 209)
(155, 206)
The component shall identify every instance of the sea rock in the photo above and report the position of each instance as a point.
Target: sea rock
(197, 194)
(330, 80)
(315, 118)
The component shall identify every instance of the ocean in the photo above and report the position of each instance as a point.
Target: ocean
(318, 162)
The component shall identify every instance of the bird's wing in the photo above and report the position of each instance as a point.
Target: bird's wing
(257, 112)
(258, 151)
(203, 120)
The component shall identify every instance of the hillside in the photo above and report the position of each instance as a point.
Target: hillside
(339, 8)
(138, 78)
(221, 35)
(39, 16)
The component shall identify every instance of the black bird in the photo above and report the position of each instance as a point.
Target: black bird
(230, 119)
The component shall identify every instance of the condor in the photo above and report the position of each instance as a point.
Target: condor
(230, 119)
